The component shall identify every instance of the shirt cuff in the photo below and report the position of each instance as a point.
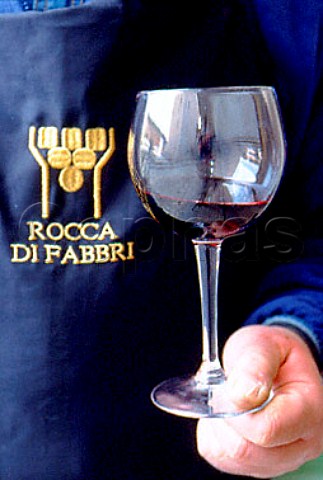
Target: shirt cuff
(296, 324)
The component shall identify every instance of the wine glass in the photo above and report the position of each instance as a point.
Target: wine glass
(211, 158)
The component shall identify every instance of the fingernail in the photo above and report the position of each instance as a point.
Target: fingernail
(249, 390)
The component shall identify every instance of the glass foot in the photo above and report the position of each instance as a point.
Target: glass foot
(186, 397)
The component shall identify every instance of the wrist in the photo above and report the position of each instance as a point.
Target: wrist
(296, 325)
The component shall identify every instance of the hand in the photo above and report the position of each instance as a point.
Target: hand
(288, 431)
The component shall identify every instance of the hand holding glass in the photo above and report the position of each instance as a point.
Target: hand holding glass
(212, 158)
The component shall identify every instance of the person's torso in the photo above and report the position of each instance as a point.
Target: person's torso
(97, 302)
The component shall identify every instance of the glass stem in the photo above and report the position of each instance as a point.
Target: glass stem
(208, 263)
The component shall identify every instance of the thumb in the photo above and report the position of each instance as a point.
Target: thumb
(252, 358)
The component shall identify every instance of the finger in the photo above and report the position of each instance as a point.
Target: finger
(290, 416)
(252, 359)
(221, 446)
(296, 409)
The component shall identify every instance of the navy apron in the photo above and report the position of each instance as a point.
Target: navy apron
(98, 303)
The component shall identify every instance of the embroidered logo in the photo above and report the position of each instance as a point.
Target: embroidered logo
(72, 153)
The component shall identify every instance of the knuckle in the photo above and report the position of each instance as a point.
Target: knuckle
(209, 453)
(239, 451)
(315, 448)
(203, 449)
(222, 453)
(265, 434)
(231, 460)
(207, 444)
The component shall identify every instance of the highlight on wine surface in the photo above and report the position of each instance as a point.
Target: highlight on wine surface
(212, 158)
(209, 157)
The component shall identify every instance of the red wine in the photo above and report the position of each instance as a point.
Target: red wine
(218, 219)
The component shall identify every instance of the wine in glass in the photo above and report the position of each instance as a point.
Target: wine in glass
(211, 158)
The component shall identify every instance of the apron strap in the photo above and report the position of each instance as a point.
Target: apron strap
(12, 6)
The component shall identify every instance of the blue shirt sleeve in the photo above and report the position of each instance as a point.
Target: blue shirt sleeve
(292, 295)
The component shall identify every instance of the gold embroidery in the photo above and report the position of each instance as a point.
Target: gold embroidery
(52, 251)
(72, 138)
(71, 158)
(49, 253)
(84, 158)
(131, 255)
(56, 231)
(59, 157)
(96, 139)
(29, 253)
(71, 152)
(70, 256)
(68, 232)
(88, 254)
(71, 179)
(98, 170)
(47, 137)
(44, 166)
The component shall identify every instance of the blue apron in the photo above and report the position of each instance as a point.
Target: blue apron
(98, 303)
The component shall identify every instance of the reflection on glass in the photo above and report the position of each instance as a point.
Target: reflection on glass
(216, 142)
